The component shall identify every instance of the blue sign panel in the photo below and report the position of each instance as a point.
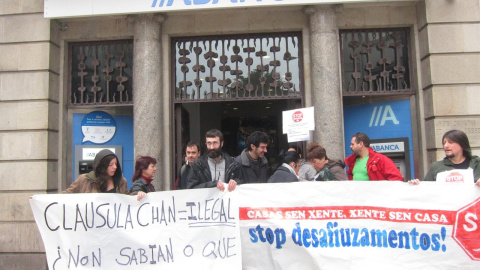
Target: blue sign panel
(382, 120)
(98, 127)
(123, 136)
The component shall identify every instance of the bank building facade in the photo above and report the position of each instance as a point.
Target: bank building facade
(146, 77)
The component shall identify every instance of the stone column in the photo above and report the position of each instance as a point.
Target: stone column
(325, 78)
(147, 89)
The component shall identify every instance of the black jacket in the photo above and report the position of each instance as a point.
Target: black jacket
(201, 177)
(250, 172)
(282, 175)
(183, 176)
(140, 184)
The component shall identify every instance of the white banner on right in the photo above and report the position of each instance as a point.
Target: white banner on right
(360, 225)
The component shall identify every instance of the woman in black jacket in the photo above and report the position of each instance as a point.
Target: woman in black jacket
(288, 171)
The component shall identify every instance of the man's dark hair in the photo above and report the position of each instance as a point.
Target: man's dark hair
(461, 138)
(191, 144)
(362, 137)
(315, 150)
(212, 133)
(256, 138)
(290, 156)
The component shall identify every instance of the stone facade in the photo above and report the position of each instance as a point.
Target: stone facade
(29, 105)
(35, 155)
(449, 35)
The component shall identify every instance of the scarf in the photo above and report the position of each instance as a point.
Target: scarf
(149, 181)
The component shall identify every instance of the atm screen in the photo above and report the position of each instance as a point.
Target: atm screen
(85, 166)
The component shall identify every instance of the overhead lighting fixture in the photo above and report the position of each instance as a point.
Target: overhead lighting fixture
(267, 107)
(235, 109)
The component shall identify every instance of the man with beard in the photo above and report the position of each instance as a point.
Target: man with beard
(458, 155)
(254, 164)
(215, 168)
(367, 165)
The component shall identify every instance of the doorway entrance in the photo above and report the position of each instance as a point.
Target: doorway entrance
(237, 120)
(236, 84)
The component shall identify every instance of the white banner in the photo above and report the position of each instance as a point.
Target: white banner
(304, 225)
(166, 230)
(360, 225)
(75, 8)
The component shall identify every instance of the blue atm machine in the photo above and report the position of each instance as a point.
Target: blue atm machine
(388, 124)
(398, 150)
(88, 132)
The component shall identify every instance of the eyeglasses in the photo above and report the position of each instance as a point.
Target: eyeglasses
(212, 143)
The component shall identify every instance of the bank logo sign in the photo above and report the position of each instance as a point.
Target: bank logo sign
(75, 8)
(381, 115)
(391, 147)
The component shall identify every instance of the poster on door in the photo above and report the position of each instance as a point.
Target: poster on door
(297, 124)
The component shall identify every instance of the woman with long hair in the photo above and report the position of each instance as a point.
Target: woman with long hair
(106, 176)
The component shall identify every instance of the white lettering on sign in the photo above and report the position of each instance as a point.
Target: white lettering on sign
(468, 219)
(454, 177)
(76, 8)
(388, 147)
(90, 153)
(297, 116)
(388, 115)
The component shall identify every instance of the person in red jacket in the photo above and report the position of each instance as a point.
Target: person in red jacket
(367, 165)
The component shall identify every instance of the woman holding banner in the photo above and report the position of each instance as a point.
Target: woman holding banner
(106, 176)
(143, 176)
(288, 171)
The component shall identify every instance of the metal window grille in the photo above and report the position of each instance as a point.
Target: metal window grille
(216, 68)
(101, 73)
(375, 62)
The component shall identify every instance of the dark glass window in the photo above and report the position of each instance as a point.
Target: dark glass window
(375, 61)
(101, 72)
(237, 67)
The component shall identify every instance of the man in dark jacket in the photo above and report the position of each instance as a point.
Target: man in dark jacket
(254, 164)
(192, 152)
(458, 155)
(215, 168)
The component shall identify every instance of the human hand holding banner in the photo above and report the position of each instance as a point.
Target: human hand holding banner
(303, 225)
